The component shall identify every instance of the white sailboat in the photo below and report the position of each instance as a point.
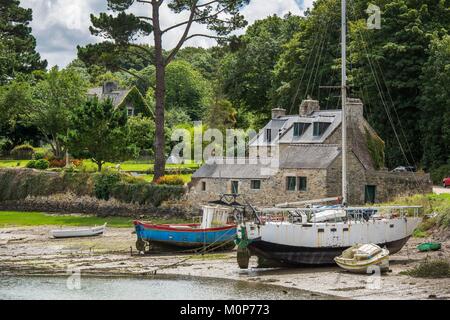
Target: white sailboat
(315, 236)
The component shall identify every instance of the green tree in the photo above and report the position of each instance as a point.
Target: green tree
(248, 71)
(186, 89)
(435, 120)
(100, 132)
(310, 59)
(13, 129)
(53, 99)
(221, 115)
(17, 44)
(220, 16)
(142, 132)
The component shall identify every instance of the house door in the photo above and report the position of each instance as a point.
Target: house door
(235, 187)
(370, 194)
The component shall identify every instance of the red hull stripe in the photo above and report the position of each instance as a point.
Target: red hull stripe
(187, 228)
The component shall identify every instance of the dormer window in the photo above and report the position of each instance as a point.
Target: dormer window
(300, 128)
(269, 135)
(320, 128)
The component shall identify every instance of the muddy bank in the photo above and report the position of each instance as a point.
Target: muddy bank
(30, 251)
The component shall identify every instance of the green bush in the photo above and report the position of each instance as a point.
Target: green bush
(171, 181)
(22, 152)
(443, 218)
(42, 164)
(39, 155)
(431, 269)
(146, 194)
(31, 164)
(439, 173)
(104, 183)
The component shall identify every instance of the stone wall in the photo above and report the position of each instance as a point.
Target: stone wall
(273, 189)
(388, 185)
(321, 183)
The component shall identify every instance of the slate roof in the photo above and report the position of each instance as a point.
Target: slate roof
(293, 157)
(283, 128)
(117, 96)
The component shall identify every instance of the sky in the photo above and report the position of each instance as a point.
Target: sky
(60, 25)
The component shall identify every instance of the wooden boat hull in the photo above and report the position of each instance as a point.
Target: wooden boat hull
(283, 255)
(188, 236)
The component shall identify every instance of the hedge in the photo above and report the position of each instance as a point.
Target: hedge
(146, 194)
(18, 184)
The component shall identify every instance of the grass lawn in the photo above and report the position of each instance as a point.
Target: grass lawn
(13, 163)
(135, 166)
(13, 218)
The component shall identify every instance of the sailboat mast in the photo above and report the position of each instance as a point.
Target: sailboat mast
(344, 99)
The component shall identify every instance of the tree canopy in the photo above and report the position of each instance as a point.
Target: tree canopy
(17, 44)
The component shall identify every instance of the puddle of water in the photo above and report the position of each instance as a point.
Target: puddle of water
(175, 288)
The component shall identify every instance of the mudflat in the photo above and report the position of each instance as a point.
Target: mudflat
(31, 251)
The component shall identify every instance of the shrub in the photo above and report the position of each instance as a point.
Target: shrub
(431, 269)
(438, 174)
(31, 164)
(171, 181)
(22, 152)
(77, 163)
(57, 163)
(39, 155)
(104, 183)
(443, 218)
(42, 164)
(146, 194)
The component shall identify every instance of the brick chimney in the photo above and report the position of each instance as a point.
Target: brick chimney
(308, 106)
(278, 112)
(109, 87)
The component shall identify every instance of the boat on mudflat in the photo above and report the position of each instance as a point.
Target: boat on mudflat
(217, 231)
(364, 258)
(80, 232)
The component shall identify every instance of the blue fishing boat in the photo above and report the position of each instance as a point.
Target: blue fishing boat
(217, 231)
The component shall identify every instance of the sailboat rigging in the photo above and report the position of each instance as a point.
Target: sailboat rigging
(291, 235)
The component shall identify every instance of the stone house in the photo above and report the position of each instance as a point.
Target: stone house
(298, 157)
(131, 98)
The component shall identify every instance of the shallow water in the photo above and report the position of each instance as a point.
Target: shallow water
(63, 288)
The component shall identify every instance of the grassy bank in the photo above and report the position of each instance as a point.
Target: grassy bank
(29, 219)
(435, 205)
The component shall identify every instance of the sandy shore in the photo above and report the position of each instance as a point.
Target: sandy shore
(30, 251)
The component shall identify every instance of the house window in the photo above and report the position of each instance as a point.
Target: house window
(130, 111)
(291, 183)
(300, 128)
(203, 186)
(235, 187)
(255, 184)
(269, 135)
(320, 128)
(302, 183)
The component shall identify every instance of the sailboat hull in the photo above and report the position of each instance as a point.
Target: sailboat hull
(286, 243)
(293, 255)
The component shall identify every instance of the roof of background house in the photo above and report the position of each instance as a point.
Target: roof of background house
(117, 96)
(293, 157)
(282, 128)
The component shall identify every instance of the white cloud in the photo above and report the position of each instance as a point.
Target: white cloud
(60, 25)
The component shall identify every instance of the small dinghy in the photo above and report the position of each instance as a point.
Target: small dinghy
(364, 258)
(74, 233)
